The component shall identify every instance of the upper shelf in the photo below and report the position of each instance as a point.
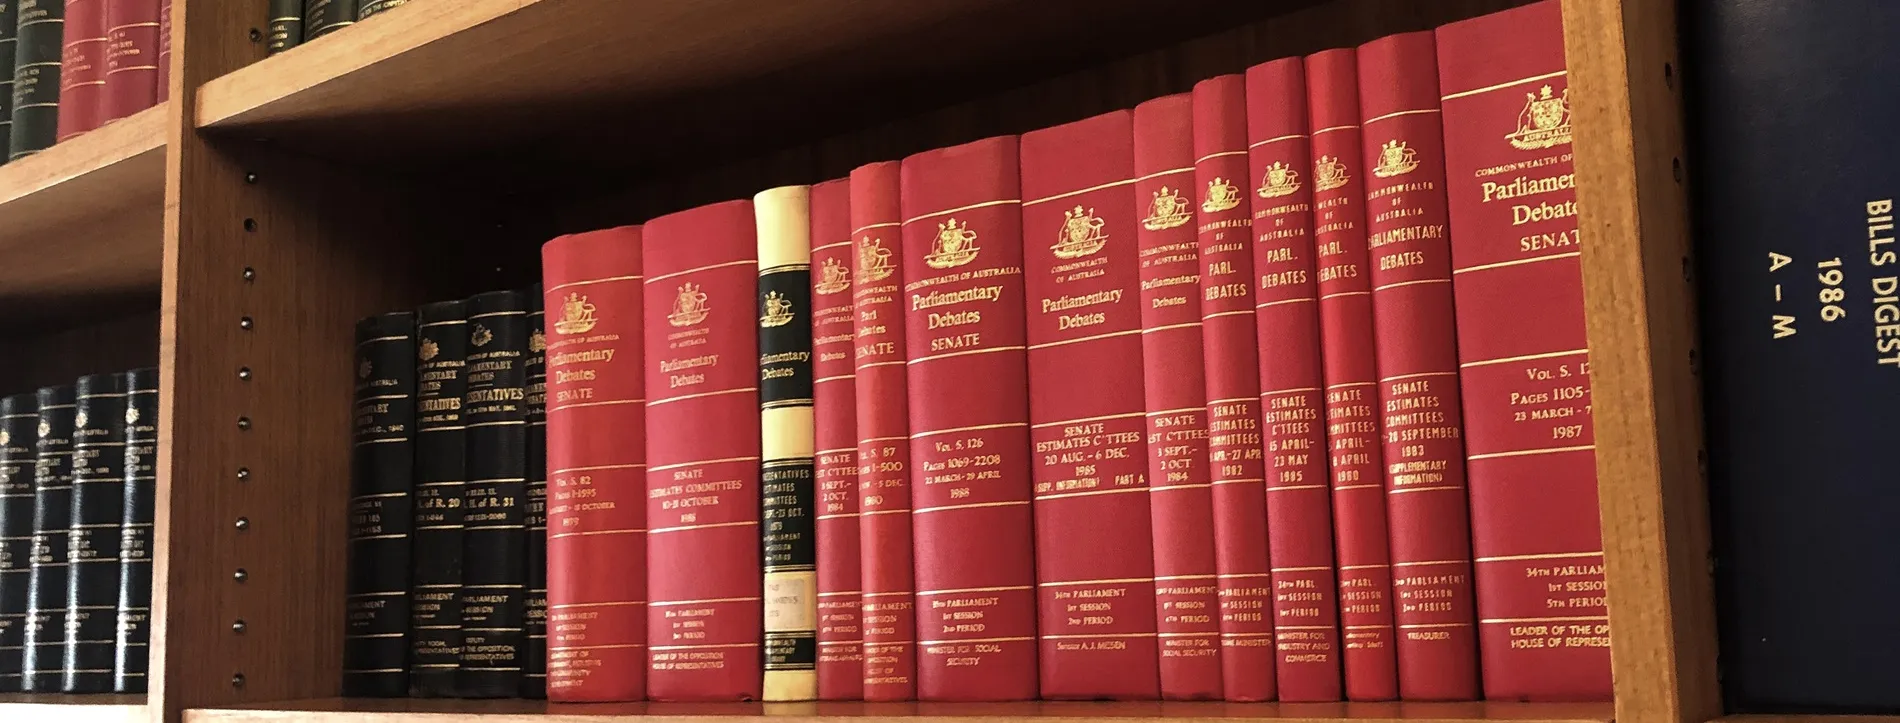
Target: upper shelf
(23, 708)
(81, 222)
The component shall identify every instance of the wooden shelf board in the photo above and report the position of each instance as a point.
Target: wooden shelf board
(355, 710)
(1807, 718)
(32, 708)
(83, 219)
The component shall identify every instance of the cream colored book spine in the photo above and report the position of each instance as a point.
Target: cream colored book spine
(787, 486)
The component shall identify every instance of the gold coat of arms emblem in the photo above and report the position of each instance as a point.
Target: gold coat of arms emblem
(833, 277)
(1221, 195)
(1329, 173)
(777, 311)
(1395, 159)
(1167, 210)
(954, 246)
(689, 307)
(874, 261)
(1544, 122)
(1279, 180)
(577, 316)
(1081, 234)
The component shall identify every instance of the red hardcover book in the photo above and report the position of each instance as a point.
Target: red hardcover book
(969, 423)
(131, 57)
(1235, 449)
(1352, 378)
(1418, 367)
(82, 68)
(1095, 586)
(883, 434)
(705, 615)
(1286, 314)
(1180, 497)
(164, 50)
(840, 641)
(597, 622)
(1523, 357)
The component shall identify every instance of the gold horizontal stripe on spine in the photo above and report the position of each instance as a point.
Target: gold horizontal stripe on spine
(456, 428)
(398, 536)
(787, 403)
(1220, 155)
(1389, 116)
(381, 339)
(613, 604)
(1526, 357)
(1078, 192)
(154, 25)
(839, 516)
(1232, 400)
(623, 646)
(684, 528)
(823, 643)
(1414, 282)
(889, 593)
(498, 424)
(1416, 376)
(36, 22)
(668, 603)
(122, 396)
(832, 245)
(1301, 300)
(741, 390)
(704, 647)
(1188, 325)
(892, 363)
(1219, 314)
(1303, 569)
(1091, 493)
(1581, 619)
(497, 313)
(862, 229)
(868, 440)
(1242, 575)
(374, 635)
(971, 352)
(697, 269)
(1544, 556)
(977, 640)
(973, 505)
(1102, 418)
(1246, 635)
(1427, 563)
(721, 460)
(1098, 636)
(1286, 488)
(1161, 578)
(82, 84)
(1519, 262)
(1290, 391)
(1343, 488)
(1367, 627)
(577, 405)
(1429, 626)
(380, 594)
(868, 513)
(1169, 172)
(961, 209)
(1182, 410)
(839, 593)
(1245, 481)
(451, 322)
(1111, 581)
(1165, 488)
(1503, 85)
(373, 670)
(1187, 635)
(1302, 627)
(974, 428)
(1434, 488)
(782, 268)
(839, 377)
(1257, 144)
(497, 586)
(1329, 129)
(590, 533)
(1529, 452)
(1338, 294)
(1078, 340)
(1378, 566)
(364, 399)
(597, 468)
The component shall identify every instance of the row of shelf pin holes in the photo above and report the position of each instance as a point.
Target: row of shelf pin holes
(245, 323)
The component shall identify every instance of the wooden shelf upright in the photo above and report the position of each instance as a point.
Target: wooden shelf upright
(425, 153)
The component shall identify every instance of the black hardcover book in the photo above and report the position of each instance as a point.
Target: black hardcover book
(285, 26)
(46, 629)
(9, 44)
(1796, 180)
(92, 545)
(787, 480)
(134, 635)
(39, 32)
(372, 7)
(495, 576)
(441, 459)
(534, 655)
(322, 17)
(382, 516)
(19, 418)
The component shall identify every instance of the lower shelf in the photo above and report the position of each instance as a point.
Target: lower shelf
(34, 708)
(357, 710)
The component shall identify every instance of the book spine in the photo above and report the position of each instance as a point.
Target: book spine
(889, 615)
(92, 547)
(82, 70)
(1094, 553)
(36, 61)
(133, 639)
(834, 410)
(705, 621)
(1174, 385)
(164, 49)
(534, 628)
(19, 419)
(1418, 367)
(969, 418)
(494, 502)
(1351, 378)
(1524, 358)
(9, 45)
(131, 58)
(285, 29)
(322, 17)
(1235, 452)
(597, 511)
(441, 475)
(372, 7)
(1292, 400)
(382, 517)
(46, 628)
(788, 494)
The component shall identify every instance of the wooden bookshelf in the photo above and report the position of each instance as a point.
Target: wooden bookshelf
(339, 710)
(74, 708)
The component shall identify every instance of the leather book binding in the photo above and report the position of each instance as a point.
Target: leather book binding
(440, 475)
(322, 17)
(705, 618)
(382, 516)
(133, 639)
(19, 422)
(92, 545)
(786, 486)
(285, 26)
(82, 69)
(46, 630)
(36, 71)
(596, 402)
(534, 618)
(883, 435)
(131, 58)
(1410, 270)
(1095, 586)
(494, 501)
(9, 44)
(834, 412)
(1351, 378)
(372, 7)
(969, 422)
(1235, 450)
(164, 49)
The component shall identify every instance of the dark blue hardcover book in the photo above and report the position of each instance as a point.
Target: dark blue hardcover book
(1795, 176)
